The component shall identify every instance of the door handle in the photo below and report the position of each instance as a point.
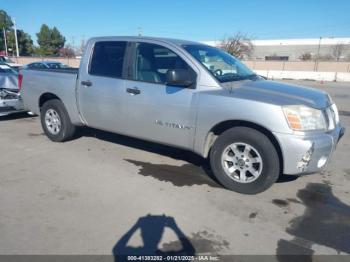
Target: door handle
(86, 83)
(133, 91)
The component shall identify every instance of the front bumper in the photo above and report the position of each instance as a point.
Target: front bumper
(10, 106)
(310, 153)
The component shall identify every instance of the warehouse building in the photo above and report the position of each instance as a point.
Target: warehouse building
(299, 49)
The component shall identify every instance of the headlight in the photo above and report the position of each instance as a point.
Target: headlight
(303, 118)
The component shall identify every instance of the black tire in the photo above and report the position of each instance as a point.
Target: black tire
(67, 129)
(270, 168)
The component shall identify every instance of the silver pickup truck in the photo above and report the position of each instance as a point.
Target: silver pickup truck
(191, 96)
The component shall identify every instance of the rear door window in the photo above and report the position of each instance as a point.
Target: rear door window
(108, 59)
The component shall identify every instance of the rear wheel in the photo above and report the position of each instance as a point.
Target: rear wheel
(55, 121)
(244, 160)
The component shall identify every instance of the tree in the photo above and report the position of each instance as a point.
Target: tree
(57, 40)
(44, 40)
(5, 20)
(306, 56)
(337, 51)
(25, 42)
(50, 41)
(239, 45)
(5, 24)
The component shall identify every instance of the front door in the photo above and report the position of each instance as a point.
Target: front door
(157, 111)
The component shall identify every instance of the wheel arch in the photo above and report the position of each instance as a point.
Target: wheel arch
(46, 97)
(221, 127)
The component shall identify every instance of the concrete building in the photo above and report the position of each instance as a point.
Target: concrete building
(293, 49)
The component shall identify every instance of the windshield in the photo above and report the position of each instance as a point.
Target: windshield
(6, 59)
(220, 64)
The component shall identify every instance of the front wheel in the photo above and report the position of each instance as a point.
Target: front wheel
(55, 121)
(244, 160)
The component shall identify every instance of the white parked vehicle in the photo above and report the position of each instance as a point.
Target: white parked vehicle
(6, 60)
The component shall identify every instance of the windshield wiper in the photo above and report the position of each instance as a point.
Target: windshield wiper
(239, 78)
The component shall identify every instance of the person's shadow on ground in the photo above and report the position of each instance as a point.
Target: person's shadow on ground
(152, 229)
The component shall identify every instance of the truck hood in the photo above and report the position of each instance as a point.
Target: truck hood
(279, 93)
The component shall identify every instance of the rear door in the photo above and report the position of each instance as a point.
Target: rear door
(101, 87)
(157, 111)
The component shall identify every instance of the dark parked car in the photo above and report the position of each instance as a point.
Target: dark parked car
(46, 65)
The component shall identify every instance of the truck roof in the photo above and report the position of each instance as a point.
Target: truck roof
(136, 38)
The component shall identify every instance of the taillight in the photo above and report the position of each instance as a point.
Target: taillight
(20, 80)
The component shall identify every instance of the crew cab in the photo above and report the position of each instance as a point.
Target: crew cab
(192, 96)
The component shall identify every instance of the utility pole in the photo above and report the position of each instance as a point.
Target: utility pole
(140, 31)
(5, 40)
(16, 40)
(318, 54)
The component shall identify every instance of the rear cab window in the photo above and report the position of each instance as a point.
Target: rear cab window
(108, 59)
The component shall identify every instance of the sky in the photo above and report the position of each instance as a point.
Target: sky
(198, 20)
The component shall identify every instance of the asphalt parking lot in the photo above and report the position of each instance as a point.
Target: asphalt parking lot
(95, 194)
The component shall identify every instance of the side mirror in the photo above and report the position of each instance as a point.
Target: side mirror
(179, 77)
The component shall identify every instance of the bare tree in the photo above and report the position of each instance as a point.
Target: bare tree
(67, 51)
(337, 51)
(306, 56)
(80, 49)
(238, 45)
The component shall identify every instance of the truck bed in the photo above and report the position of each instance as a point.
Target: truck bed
(58, 82)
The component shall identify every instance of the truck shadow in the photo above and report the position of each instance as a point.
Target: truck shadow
(184, 175)
(197, 172)
(151, 147)
(197, 163)
(15, 116)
